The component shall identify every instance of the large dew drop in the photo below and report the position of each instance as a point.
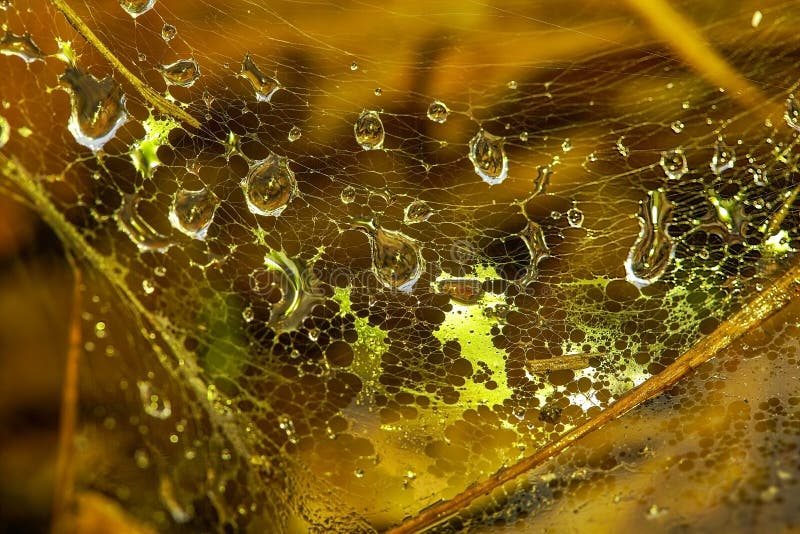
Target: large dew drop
(134, 8)
(416, 212)
(264, 86)
(723, 158)
(674, 164)
(653, 250)
(21, 46)
(193, 211)
(299, 289)
(438, 111)
(183, 72)
(488, 157)
(269, 186)
(98, 108)
(142, 234)
(368, 130)
(396, 258)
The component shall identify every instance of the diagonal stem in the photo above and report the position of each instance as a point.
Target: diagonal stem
(748, 317)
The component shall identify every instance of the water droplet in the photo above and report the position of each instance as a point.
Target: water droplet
(653, 250)
(533, 236)
(623, 150)
(21, 46)
(269, 186)
(348, 194)
(723, 158)
(183, 72)
(542, 179)
(168, 32)
(756, 20)
(677, 126)
(134, 8)
(792, 113)
(298, 287)
(396, 259)
(466, 290)
(193, 211)
(154, 405)
(378, 91)
(438, 111)
(294, 134)
(523, 136)
(488, 157)
(264, 86)
(5, 131)
(148, 287)
(417, 211)
(674, 164)
(248, 314)
(359, 473)
(144, 236)
(575, 217)
(368, 130)
(353, 66)
(566, 146)
(98, 108)
(512, 84)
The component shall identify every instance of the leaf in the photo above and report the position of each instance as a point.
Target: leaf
(333, 279)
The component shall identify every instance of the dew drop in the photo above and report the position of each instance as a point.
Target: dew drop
(348, 194)
(248, 314)
(368, 130)
(193, 211)
(653, 250)
(523, 136)
(677, 126)
(575, 217)
(269, 186)
(378, 91)
(674, 164)
(265, 86)
(417, 211)
(792, 113)
(294, 134)
(154, 405)
(465, 290)
(144, 236)
(534, 239)
(438, 111)
(148, 287)
(723, 158)
(5, 131)
(488, 157)
(183, 72)
(134, 8)
(566, 146)
(756, 19)
(512, 84)
(21, 46)
(353, 66)
(98, 108)
(396, 258)
(168, 32)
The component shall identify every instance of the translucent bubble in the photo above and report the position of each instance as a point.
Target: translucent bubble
(168, 32)
(134, 8)
(183, 72)
(368, 130)
(723, 158)
(488, 157)
(265, 86)
(154, 404)
(653, 250)
(417, 211)
(465, 290)
(193, 211)
(269, 186)
(348, 194)
(792, 113)
(98, 108)
(674, 164)
(21, 46)
(575, 217)
(5, 131)
(294, 134)
(438, 111)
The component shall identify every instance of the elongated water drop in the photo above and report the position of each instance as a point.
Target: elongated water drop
(299, 289)
(653, 250)
(674, 164)
(264, 86)
(396, 258)
(183, 72)
(368, 130)
(134, 8)
(465, 290)
(168, 32)
(21, 46)
(269, 186)
(723, 158)
(438, 111)
(144, 236)
(418, 211)
(488, 157)
(193, 211)
(534, 239)
(98, 108)
(154, 404)
(792, 113)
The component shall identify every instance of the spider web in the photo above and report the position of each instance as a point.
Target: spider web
(406, 244)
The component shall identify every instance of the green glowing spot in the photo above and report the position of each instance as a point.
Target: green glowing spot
(778, 244)
(143, 154)
(65, 52)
